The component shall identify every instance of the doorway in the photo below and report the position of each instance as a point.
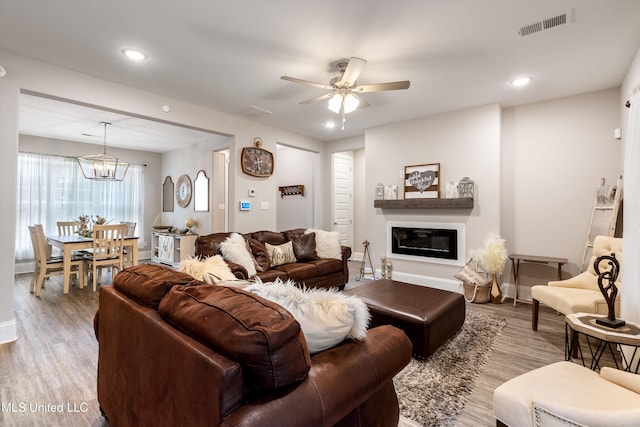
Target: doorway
(342, 200)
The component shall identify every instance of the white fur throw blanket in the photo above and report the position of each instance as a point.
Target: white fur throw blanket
(326, 316)
(211, 270)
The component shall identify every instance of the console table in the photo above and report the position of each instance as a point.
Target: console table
(603, 338)
(515, 263)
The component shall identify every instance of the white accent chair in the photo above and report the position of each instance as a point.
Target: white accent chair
(579, 294)
(568, 394)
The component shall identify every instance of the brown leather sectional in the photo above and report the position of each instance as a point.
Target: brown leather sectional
(176, 351)
(310, 270)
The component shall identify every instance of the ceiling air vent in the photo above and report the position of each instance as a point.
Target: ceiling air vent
(546, 24)
(256, 112)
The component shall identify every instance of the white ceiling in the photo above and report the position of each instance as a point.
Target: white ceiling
(229, 55)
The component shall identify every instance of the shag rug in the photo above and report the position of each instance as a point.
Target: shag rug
(433, 392)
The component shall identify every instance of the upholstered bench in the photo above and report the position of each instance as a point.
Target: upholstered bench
(428, 316)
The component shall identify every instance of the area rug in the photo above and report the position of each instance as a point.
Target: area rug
(433, 392)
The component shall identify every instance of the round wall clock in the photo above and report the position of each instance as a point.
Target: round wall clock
(256, 161)
(183, 191)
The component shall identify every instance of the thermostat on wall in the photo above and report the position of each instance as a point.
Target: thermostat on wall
(245, 205)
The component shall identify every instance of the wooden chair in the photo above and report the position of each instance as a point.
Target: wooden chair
(46, 265)
(106, 251)
(129, 232)
(66, 228)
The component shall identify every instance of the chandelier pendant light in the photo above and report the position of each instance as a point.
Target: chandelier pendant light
(103, 167)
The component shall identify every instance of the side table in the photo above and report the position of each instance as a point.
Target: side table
(515, 264)
(603, 338)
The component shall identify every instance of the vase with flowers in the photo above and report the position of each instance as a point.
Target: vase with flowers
(493, 258)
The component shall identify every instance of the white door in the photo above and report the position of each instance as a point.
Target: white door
(343, 197)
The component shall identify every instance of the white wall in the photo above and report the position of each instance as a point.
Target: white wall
(296, 167)
(465, 143)
(189, 161)
(630, 292)
(554, 154)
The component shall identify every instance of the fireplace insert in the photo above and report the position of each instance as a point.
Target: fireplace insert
(425, 242)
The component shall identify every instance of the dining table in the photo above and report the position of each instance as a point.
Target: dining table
(74, 242)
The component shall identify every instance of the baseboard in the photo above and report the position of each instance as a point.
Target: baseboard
(356, 256)
(432, 282)
(8, 332)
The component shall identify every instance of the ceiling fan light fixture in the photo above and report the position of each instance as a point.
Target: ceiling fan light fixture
(335, 103)
(103, 167)
(350, 103)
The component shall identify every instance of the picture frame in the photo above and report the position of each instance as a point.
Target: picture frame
(422, 181)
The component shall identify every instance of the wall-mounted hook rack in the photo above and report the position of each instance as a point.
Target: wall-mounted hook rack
(291, 190)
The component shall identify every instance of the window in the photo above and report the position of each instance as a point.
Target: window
(52, 188)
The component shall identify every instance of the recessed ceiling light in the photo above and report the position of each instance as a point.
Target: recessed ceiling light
(330, 125)
(521, 81)
(134, 54)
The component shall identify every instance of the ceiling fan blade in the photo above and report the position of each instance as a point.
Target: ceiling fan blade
(306, 82)
(352, 72)
(379, 87)
(318, 98)
(363, 103)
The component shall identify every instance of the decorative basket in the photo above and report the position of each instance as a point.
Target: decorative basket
(479, 294)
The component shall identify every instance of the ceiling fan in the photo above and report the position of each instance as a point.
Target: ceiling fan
(344, 98)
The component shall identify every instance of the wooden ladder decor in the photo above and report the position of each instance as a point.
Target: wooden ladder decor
(604, 216)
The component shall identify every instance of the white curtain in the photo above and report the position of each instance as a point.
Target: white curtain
(630, 292)
(52, 188)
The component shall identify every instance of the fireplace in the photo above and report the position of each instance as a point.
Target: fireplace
(440, 243)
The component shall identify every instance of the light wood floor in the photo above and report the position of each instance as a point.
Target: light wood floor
(53, 364)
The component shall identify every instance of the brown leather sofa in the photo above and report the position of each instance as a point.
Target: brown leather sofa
(176, 351)
(312, 271)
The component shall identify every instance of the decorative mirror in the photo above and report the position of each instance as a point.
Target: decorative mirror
(167, 195)
(201, 192)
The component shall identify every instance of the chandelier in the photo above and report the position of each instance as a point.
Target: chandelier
(103, 167)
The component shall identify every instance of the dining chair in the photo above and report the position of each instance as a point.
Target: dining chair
(106, 250)
(46, 265)
(127, 261)
(66, 228)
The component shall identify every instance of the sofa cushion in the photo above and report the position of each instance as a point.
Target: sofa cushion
(209, 245)
(327, 243)
(272, 274)
(326, 265)
(236, 249)
(270, 237)
(260, 254)
(327, 317)
(148, 283)
(299, 271)
(304, 246)
(260, 335)
(281, 254)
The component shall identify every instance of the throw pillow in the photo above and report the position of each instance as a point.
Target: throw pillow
(260, 255)
(211, 269)
(234, 249)
(327, 317)
(281, 254)
(304, 246)
(327, 243)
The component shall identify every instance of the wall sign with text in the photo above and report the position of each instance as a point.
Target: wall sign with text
(422, 181)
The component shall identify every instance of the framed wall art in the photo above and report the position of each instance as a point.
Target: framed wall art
(422, 181)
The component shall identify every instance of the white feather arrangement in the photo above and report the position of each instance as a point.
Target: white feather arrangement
(493, 257)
